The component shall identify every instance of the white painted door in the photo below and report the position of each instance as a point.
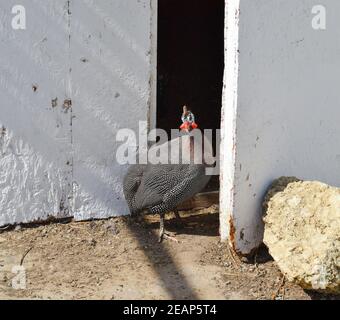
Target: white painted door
(80, 71)
(281, 105)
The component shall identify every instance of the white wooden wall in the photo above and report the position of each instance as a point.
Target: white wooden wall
(56, 159)
(281, 106)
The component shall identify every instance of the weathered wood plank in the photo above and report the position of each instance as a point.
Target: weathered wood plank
(200, 200)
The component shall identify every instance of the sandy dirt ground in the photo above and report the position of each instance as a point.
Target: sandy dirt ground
(120, 258)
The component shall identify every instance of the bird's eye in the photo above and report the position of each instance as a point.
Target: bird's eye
(189, 117)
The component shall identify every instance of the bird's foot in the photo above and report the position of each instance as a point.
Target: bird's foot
(167, 235)
(170, 237)
(163, 233)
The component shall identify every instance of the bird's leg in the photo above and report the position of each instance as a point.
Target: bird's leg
(161, 227)
(162, 233)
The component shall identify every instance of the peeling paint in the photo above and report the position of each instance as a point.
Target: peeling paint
(242, 234)
(2, 132)
(54, 102)
(67, 105)
(232, 231)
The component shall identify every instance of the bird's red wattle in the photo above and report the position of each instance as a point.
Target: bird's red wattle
(188, 125)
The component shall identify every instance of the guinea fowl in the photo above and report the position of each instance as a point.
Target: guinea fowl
(160, 188)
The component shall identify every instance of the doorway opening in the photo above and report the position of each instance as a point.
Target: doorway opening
(190, 64)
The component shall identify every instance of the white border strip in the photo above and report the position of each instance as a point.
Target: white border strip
(152, 116)
(229, 114)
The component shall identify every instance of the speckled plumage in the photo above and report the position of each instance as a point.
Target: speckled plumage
(160, 188)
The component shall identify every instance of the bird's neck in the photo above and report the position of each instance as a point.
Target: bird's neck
(192, 148)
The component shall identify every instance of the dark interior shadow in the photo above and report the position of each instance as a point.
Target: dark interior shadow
(190, 65)
(322, 296)
(261, 255)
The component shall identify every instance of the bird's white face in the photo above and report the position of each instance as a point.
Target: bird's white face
(188, 121)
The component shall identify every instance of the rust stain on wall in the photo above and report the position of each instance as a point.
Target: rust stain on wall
(67, 105)
(2, 131)
(232, 232)
(54, 102)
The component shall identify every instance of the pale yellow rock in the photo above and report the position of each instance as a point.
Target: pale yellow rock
(302, 232)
